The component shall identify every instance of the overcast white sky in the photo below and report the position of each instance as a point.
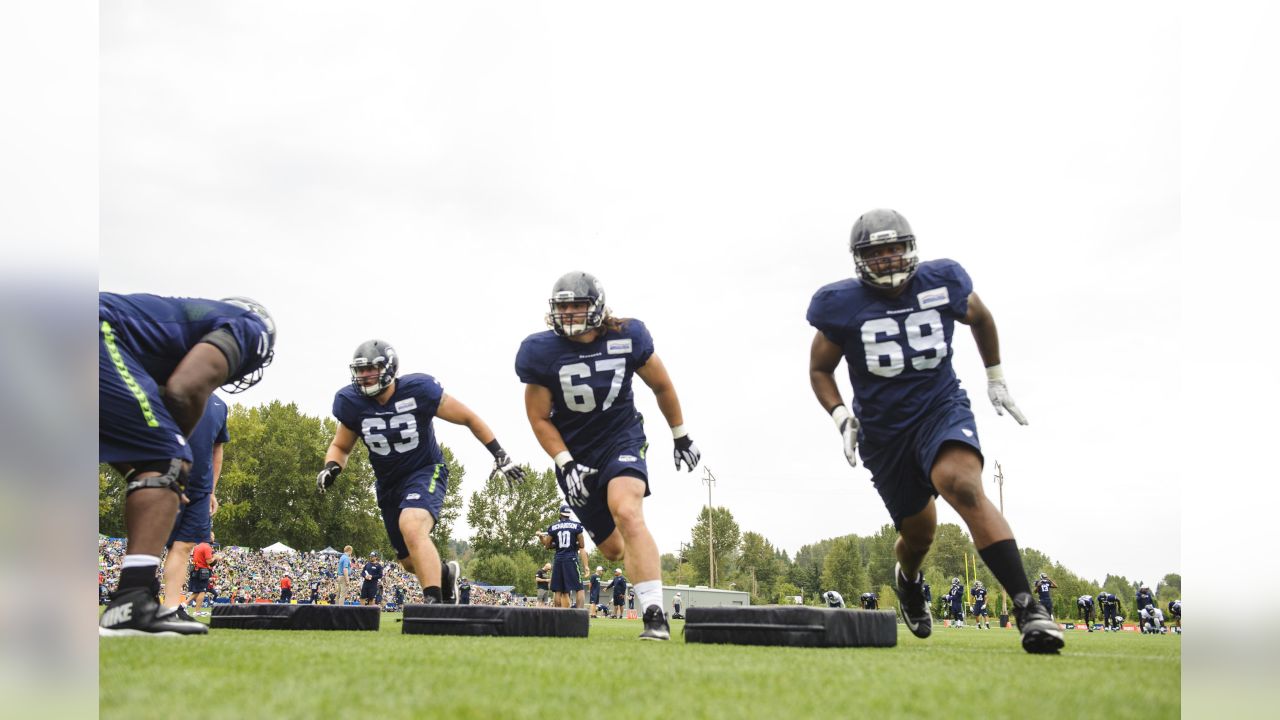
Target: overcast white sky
(423, 173)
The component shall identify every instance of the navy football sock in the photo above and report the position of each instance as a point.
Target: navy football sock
(1006, 564)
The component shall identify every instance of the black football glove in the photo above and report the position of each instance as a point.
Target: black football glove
(327, 476)
(685, 451)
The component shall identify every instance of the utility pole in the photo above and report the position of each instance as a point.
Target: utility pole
(1004, 594)
(710, 480)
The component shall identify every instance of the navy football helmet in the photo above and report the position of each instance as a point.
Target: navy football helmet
(576, 287)
(374, 353)
(877, 229)
(266, 344)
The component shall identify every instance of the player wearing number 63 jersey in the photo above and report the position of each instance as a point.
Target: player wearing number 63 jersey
(894, 325)
(393, 417)
(578, 398)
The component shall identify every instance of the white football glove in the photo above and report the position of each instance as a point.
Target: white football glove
(999, 395)
(848, 426)
(575, 479)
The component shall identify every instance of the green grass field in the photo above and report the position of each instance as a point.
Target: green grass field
(285, 674)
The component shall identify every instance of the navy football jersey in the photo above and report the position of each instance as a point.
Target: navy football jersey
(564, 538)
(399, 435)
(1043, 587)
(210, 431)
(590, 385)
(160, 331)
(979, 595)
(372, 569)
(898, 349)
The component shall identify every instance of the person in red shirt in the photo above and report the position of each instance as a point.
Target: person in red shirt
(202, 562)
(286, 589)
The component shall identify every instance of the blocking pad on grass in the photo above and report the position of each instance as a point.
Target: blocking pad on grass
(494, 620)
(273, 616)
(792, 626)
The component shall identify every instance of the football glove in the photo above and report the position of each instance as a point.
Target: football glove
(503, 465)
(685, 450)
(848, 426)
(327, 476)
(575, 480)
(998, 393)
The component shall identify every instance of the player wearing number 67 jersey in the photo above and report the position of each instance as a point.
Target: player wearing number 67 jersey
(578, 398)
(894, 325)
(393, 417)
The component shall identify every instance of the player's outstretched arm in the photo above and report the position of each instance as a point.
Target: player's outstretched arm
(537, 407)
(983, 326)
(824, 358)
(654, 374)
(452, 410)
(335, 458)
(199, 373)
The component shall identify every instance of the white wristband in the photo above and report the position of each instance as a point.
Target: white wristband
(678, 432)
(839, 414)
(562, 458)
(995, 373)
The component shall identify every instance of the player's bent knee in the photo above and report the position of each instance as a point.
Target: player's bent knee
(172, 474)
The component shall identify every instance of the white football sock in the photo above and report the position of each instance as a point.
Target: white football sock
(649, 593)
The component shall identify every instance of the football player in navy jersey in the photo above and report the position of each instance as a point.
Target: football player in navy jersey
(578, 398)
(1043, 586)
(894, 324)
(955, 596)
(392, 416)
(159, 360)
(195, 518)
(978, 593)
(1084, 604)
(565, 536)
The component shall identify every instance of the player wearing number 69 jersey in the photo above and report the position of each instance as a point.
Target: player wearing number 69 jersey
(894, 325)
(393, 417)
(578, 398)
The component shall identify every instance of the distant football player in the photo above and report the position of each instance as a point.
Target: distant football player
(1175, 614)
(159, 360)
(1109, 604)
(834, 599)
(1144, 596)
(894, 325)
(1043, 586)
(578, 398)
(371, 576)
(1085, 606)
(565, 536)
(393, 417)
(595, 590)
(955, 597)
(981, 614)
(869, 601)
(619, 587)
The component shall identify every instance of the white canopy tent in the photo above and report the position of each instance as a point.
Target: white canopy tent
(279, 547)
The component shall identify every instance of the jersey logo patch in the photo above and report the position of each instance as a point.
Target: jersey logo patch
(933, 298)
(618, 347)
(413, 496)
(967, 432)
(626, 458)
(406, 405)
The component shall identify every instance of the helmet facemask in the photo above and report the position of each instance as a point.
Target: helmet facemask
(266, 348)
(567, 323)
(886, 271)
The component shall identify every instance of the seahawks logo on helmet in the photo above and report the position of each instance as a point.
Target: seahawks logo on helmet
(373, 354)
(571, 289)
(872, 234)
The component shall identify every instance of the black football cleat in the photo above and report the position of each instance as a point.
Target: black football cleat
(911, 603)
(655, 624)
(136, 613)
(449, 575)
(1040, 634)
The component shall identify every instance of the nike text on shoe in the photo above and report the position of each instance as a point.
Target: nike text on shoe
(136, 613)
(1040, 634)
(655, 624)
(915, 611)
(449, 583)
